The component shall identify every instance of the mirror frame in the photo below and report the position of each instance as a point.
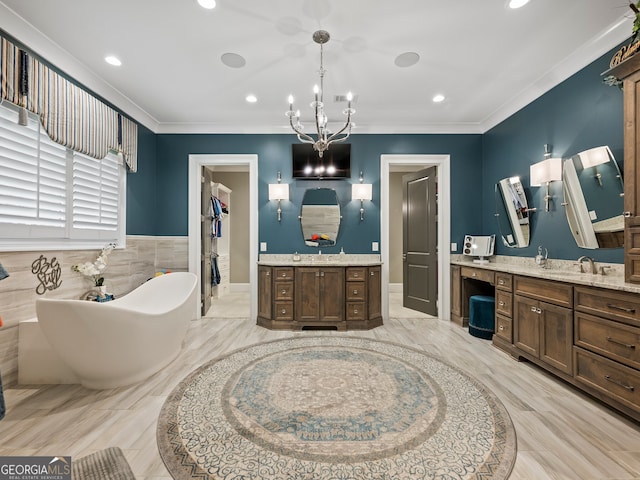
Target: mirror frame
(336, 216)
(518, 217)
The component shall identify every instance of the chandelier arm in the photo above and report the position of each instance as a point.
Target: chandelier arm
(320, 135)
(346, 125)
(303, 137)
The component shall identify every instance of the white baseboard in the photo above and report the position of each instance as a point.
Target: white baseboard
(395, 288)
(240, 288)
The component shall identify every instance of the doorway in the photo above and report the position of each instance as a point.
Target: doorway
(196, 162)
(412, 163)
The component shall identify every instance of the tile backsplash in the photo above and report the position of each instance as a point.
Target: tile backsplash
(127, 268)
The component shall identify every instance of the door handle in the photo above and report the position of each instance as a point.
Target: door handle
(404, 257)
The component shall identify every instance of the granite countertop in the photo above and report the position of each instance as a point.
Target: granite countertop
(309, 260)
(559, 270)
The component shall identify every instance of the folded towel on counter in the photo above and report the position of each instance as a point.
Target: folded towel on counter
(3, 273)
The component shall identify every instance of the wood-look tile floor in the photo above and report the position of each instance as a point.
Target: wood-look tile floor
(562, 433)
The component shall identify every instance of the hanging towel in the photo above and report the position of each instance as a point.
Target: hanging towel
(215, 272)
(3, 273)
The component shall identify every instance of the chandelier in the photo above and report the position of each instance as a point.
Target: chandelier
(324, 136)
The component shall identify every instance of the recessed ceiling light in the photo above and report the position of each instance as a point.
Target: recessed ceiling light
(233, 60)
(251, 98)
(407, 59)
(111, 60)
(208, 4)
(438, 98)
(517, 3)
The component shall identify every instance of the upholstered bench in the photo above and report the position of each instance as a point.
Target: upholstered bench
(481, 316)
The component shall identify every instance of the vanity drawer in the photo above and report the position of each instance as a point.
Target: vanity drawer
(283, 273)
(608, 377)
(504, 281)
(545, 290)
(478, 274)
(504, 303)
(614, 340)
(355, 291)
(504, 328)
(615, 305)
(283, 290)
(355, 311)
(283, 310)
(356, 273)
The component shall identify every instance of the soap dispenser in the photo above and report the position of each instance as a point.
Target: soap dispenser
(541, 260)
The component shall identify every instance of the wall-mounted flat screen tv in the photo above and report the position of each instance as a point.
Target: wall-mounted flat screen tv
(335, 162)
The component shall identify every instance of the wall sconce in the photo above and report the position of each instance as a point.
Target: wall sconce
(361, 191)
(545, 172)
(594, 157)
(279, 191)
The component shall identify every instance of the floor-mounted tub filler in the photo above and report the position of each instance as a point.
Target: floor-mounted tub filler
(124, 341)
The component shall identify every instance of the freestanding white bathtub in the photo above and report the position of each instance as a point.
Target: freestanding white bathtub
(126, 340)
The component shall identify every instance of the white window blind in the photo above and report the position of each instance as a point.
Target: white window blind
(95, 192)
(32, 175)
(53, 197)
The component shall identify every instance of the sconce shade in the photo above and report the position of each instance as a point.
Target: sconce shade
(545, 171)
(278, 191)
(595, 156)
(361, 191)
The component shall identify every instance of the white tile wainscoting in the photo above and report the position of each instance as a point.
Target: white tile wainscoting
(128, 268)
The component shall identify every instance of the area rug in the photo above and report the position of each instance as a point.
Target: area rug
(333, 407)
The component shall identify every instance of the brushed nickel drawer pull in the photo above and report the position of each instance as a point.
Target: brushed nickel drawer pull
(355, 311)
(533, 309)
(501, 303)
(284, 291)
(284, 311)
(284, 274)
(500, 282)
(619, 383)
(372, 273)
(268, 274)
(355, 274)
(501, 327)
(622, 309)
(538, 311)
(618, 342)
(355, 291)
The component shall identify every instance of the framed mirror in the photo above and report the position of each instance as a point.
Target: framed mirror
(512, 213)
(320, 217)
(593, 192)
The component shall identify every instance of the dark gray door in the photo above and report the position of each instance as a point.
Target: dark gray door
(420, 241)
(205, 242)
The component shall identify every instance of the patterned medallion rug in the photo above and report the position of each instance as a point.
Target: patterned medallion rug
(333, 407)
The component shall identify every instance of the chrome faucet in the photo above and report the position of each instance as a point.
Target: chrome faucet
(592, 264)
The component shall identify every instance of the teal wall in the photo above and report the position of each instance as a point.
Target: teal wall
(169, 205)
(576, 115)
(580, 113)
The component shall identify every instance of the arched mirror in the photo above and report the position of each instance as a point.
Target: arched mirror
(593, 198)
(512, 213)
(320, 217)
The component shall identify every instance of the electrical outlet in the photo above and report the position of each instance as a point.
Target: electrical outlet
(454, 247)
(263, 246)
(374, 246)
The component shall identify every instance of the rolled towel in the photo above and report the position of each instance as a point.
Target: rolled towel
(3, 273)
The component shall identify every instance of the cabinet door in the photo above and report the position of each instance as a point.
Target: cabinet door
(374, 292)
(265, 292)
(556, 337)
(307, 294)
(332, 305)
(526, 325)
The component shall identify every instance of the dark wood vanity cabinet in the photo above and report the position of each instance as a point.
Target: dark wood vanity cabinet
(319, 294)
(543, 322)
(344, 298)
(503, 333)
(629, 72)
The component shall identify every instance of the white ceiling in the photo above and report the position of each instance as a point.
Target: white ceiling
(488, 60)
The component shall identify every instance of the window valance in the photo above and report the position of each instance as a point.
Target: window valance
(71, 116)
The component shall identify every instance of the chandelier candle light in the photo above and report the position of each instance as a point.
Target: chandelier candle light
(324, 136)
